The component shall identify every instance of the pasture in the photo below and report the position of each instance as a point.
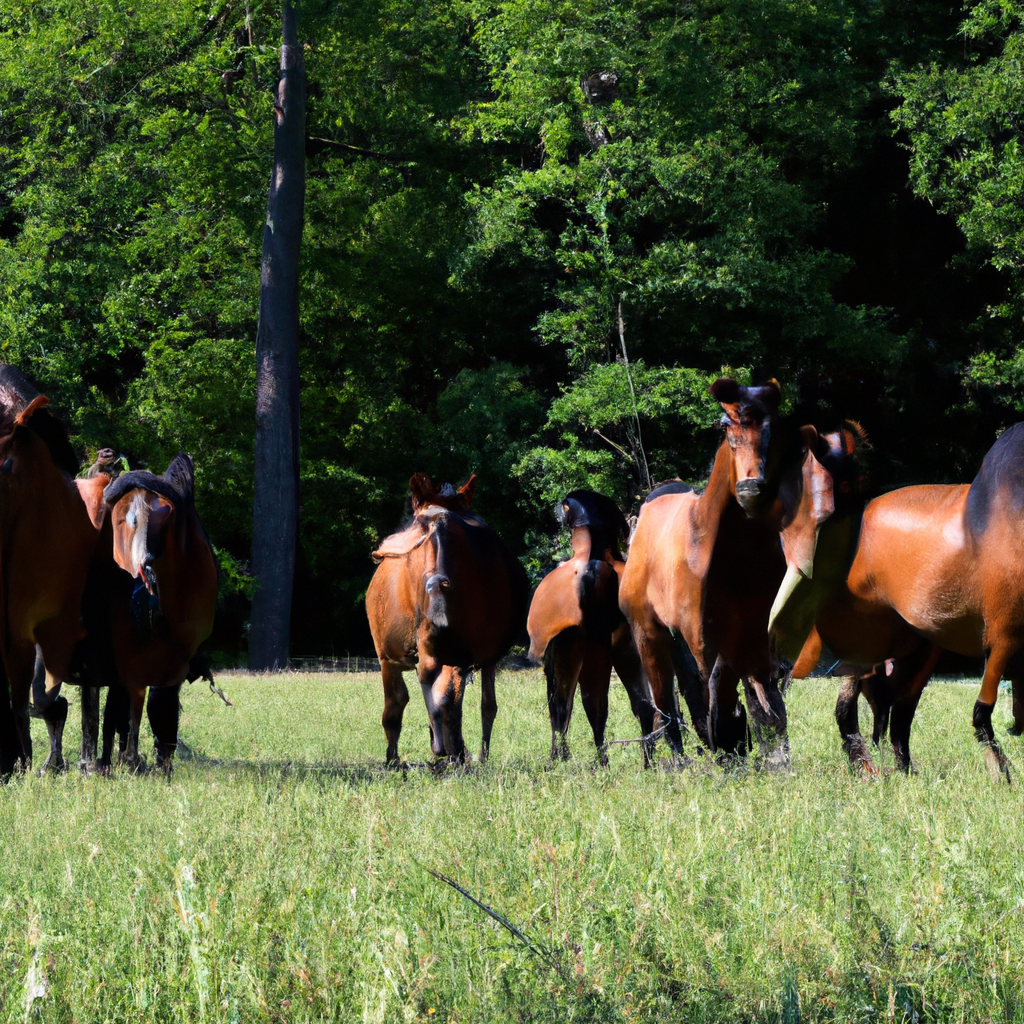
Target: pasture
(280, 875)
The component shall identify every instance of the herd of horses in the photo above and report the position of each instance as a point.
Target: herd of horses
(779, 557)
(105, 580)
(109, 580)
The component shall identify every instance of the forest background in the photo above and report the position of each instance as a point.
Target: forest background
(497, 195)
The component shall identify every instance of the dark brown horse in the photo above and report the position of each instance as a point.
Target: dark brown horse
(46, 543)
(447, 597)
(705, 568)
(935, 565)
(575, 625)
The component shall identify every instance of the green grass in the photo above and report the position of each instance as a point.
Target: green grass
(280, 875)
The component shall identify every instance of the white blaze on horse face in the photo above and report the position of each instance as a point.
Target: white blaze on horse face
(139, 519)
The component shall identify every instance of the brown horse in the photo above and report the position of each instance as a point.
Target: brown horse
(149, 602)
(447, 597)
(936, 565)
(47, 541)
(707, 567)
(576, 628)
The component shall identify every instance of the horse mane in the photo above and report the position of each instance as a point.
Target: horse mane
(16, 394)
(667, 487)
(176, 484)
(596, 511)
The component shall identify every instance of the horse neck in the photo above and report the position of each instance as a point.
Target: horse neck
(720, 490)
(596, 542)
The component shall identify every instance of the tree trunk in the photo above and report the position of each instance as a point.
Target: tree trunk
(275, 507)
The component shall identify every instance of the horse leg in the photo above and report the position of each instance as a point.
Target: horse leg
(995, 663)
(10, 742)
(90, 699)
(396, 696)
(627, 665)
(443, 687)
(909, 678)
(488, 708)
(768, 710)
(653, 644)
(137, 695)
(1017, 688)
(848, 721)
(595, 678)
(22, 666)
(116, 713)
(877, 690)
(563, 661)
(727, 718)
(163, 709)
(693, 688)
(53, 708)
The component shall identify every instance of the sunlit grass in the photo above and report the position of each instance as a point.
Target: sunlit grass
(280, 875)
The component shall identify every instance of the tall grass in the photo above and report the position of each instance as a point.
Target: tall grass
(281, 874)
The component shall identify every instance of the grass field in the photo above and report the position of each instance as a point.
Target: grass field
(280, 876)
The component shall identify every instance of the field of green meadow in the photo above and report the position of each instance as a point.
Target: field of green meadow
(282, 874)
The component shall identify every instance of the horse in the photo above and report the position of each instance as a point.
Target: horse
(576, 628)
(935, 565)
(149, 603)
(47, 541)
(704, 568)
(447, 597)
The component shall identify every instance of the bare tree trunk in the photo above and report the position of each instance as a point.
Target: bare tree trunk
(275, 511)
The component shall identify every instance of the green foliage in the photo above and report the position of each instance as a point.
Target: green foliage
(490, 188)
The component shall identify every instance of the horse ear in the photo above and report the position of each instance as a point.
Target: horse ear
(806, 506)
(401, 544)
(769, 394)
(421, 489)
(26, 414)
(468, 490)
(726, 391)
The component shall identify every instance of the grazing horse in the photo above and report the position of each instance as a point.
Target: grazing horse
(447, 597)
(936, 565)
(46, 543)
(575, 625)
(149, 604)
(705, 568)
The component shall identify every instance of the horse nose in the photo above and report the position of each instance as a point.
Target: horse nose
(748, 491)
(437, 583)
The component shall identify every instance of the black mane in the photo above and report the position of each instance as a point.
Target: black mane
(177, 484)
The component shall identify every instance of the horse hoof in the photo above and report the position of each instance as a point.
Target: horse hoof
(998, 769)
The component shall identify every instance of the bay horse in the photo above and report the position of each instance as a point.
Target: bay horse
(447, 597)
(705, 568)
(47, 541)
(938, 565)
(576, 628)
(149, 603)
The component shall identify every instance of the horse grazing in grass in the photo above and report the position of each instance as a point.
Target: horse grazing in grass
(706, 567)
(938, 565)
(576, 628)
(447, 597)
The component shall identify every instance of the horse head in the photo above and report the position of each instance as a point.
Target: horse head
(750, 414)
(148, 512)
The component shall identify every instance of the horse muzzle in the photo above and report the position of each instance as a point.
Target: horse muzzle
(749, 493)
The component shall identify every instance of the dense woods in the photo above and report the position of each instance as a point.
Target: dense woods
(504, 201)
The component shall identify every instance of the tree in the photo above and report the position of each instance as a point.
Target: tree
(275, 504)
